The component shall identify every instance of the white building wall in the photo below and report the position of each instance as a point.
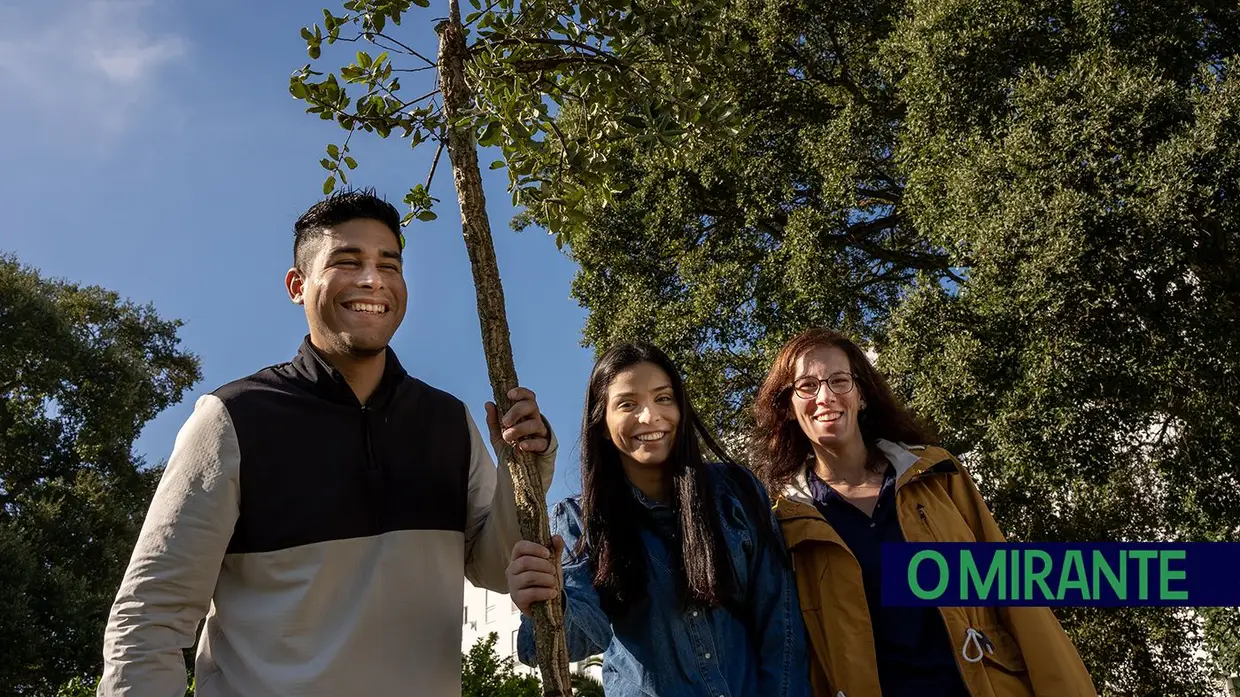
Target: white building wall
(485, 612)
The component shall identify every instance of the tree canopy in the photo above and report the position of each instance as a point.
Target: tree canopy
(81, 372)
(1028, 210)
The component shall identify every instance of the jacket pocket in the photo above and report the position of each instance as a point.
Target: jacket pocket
(1001, 658)
(944, 524)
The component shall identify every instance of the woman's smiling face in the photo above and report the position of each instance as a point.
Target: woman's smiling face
(642, 415)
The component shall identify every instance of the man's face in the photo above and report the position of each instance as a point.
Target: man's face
(353, 287)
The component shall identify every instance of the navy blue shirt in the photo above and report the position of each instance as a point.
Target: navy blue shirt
(914, 650)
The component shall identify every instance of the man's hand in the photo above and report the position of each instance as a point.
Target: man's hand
(534, 575)
(522, 426)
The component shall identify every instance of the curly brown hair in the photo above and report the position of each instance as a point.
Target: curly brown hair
(780, 448)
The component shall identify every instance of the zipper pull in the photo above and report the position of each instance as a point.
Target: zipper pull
(921, 513)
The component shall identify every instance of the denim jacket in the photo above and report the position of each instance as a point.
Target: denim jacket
(661, 649)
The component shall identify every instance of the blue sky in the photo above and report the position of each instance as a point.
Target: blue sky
(152, 148)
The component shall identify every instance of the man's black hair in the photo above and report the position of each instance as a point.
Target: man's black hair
(341, 207)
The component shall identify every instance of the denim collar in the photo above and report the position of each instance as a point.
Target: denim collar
(645, 500)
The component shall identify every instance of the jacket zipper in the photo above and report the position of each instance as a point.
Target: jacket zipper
(373, 482)
(921, 513)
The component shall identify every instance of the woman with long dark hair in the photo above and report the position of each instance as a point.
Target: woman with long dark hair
(852, 469)
(673, 568)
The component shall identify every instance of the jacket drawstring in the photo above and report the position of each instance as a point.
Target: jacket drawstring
(978, 641)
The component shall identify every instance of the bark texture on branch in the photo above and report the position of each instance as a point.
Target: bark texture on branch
(527, 481)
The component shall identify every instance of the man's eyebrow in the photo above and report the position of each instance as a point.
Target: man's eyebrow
(387, 253)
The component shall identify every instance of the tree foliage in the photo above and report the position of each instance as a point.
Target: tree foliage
(81, 372)
(585, 685)
(485, 674)
(1028, 209)
(623, 72)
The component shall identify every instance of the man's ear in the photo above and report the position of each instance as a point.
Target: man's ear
(294, 282)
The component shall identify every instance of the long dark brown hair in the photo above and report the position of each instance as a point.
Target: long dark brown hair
(612, 515)
(781, 449)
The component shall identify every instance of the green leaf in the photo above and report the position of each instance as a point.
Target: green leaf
(328, 185)
(350, 162)
(427, 216)
(490, 136)
(498, 164)
(306, 34)
(422, 3)
(314, 51)
(634, 121)
(333, 151)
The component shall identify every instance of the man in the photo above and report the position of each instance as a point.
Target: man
(318, 513)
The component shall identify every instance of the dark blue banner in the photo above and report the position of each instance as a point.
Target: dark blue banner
(1058, 574)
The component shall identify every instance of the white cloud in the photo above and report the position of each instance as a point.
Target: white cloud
(91, 66)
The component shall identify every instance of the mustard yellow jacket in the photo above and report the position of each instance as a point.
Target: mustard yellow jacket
(937, 501)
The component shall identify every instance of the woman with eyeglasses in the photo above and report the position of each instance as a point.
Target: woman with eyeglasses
(673, 567)
(851, 468)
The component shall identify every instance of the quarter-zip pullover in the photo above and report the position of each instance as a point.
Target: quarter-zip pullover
(324, 541)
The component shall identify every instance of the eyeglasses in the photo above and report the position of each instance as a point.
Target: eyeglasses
(839, 383)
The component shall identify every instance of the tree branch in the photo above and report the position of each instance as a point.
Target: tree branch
(855, 236)
(434, 163)
(892, 197)
(373, 37)
(408, 50)
(595, 52)
(563, 144)
(536, 65)
(411, 102)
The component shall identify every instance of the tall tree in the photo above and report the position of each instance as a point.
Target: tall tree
(597, 62)
(81, 372)
(1027, 209)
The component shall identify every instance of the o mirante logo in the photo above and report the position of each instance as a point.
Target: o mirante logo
(1061, 574)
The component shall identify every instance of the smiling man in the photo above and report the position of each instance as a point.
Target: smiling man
(319, 513)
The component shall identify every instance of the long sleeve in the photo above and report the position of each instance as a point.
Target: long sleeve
(775, 613)
(1055, 666)
(167, 588)
(587, 630)
(491, 527)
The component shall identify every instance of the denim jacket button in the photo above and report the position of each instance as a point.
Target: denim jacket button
(707, 656)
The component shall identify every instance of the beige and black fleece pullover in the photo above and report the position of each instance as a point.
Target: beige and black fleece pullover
(323, 541)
